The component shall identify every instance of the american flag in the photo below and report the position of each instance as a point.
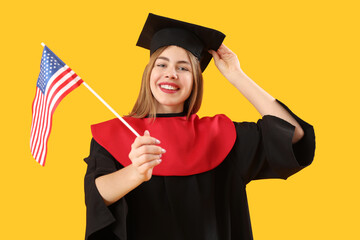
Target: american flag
(55, 81)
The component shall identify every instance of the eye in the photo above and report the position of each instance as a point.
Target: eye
(183, 69)
(160, 65)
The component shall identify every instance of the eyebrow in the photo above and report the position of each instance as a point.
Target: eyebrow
(166, 59)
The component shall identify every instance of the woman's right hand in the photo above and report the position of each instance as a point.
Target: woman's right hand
(145, 155)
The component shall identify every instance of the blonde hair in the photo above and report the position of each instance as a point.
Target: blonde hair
(145, 103)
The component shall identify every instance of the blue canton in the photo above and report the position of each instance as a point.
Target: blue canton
(50, 64)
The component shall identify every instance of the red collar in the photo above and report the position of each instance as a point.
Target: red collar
(192, 145)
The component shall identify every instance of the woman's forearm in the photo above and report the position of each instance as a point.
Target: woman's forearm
(264, 103)
(145, 154)
(116, 185)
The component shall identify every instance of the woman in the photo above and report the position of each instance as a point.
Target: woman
(188, 180)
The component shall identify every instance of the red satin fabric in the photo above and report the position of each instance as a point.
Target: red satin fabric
(192, 146)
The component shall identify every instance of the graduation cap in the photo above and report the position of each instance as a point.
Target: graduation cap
(160, 31)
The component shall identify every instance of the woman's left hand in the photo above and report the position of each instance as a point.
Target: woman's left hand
(226, 61)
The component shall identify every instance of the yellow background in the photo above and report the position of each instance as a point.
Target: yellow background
(305, 53)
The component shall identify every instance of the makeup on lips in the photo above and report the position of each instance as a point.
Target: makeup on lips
(168, 87)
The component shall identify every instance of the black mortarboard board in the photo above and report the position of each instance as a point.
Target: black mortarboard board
(161, 31)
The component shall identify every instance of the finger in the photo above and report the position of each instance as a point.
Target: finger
(147, 134)
(225, 52)
(146, 149)
(150, 149)
(143, 159)
(146, 166)
(215, 55)
(144, 140)
(223, 48)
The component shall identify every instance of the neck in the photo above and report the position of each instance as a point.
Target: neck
(169, 109)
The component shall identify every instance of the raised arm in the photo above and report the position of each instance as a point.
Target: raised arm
(229, 66)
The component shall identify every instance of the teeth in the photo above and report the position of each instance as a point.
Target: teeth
(168, 87)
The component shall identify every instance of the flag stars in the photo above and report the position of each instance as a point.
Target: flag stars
(48, 66)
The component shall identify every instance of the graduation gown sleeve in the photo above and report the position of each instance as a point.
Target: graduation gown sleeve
(102, 221)
(265, 149)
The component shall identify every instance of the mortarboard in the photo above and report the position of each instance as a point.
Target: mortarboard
(160, 31)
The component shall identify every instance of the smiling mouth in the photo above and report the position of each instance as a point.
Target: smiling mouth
(168, 87)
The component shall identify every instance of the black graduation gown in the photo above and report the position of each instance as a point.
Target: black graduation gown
(208, 206)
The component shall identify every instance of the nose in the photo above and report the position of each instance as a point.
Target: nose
(171, 73)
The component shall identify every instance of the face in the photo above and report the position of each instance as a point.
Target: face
(171, 80)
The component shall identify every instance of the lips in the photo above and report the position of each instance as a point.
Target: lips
(168, 87)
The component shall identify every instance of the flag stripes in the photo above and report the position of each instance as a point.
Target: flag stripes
(58, 86)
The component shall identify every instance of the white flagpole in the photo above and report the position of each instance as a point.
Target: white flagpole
(110, 108)
(107, 105)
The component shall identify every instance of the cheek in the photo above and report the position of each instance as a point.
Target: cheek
(154, 76)
(190, 83)
(152, 87)
(152, 80)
